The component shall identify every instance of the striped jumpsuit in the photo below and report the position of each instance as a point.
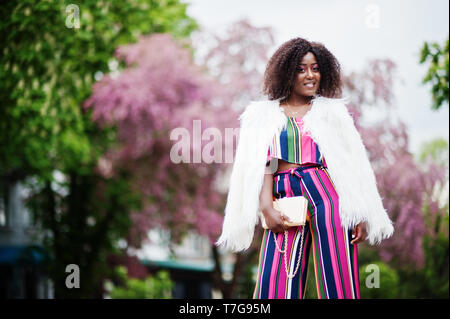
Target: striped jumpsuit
(335, 258)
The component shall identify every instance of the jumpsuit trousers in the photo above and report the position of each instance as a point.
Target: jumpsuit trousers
(335, 258)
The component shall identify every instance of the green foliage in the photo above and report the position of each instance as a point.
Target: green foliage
(432, 281)
(47, 69)
(153, 287)
(246, 283)
(311, 288)
(436, 272)
(438, 70)
(386, 286)
(437, 149)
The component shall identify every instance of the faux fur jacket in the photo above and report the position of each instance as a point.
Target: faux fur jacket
(332, 128)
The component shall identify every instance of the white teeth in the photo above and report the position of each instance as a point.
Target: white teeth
(310, 85)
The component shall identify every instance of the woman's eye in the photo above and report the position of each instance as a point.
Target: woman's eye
(315, 69)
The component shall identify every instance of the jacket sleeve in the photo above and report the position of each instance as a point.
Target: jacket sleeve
(379, 226)
(236, 234)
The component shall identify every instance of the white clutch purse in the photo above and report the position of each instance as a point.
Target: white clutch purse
(295, 208)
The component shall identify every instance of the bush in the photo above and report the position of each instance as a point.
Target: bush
(158, 286)
(378, 280)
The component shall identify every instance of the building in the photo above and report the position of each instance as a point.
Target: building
(190, 264)
(21, 274)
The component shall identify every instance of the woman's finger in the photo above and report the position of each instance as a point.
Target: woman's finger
(286, 218)
(280, 228)
(355, 241)
(356, 235)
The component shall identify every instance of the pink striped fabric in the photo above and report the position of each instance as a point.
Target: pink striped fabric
(335, 259)
(295, 145)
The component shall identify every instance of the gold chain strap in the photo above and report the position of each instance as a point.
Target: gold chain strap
(290, 276)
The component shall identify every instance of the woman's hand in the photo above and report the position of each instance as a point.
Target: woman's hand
(360, 233)
(275, 220)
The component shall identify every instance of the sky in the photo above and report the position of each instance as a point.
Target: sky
(355, 31)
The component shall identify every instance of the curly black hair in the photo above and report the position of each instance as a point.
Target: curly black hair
(283, 67)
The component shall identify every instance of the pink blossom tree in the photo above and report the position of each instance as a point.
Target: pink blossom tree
(405, 185)
(160, 90)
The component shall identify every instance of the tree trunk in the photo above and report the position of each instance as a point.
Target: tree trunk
(228, 289)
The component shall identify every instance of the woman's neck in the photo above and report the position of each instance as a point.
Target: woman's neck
(298, 100)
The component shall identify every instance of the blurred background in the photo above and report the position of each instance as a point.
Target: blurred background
(117, 136)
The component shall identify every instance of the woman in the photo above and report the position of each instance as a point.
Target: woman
(307, 135)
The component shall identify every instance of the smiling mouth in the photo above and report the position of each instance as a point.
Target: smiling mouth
(310, 85)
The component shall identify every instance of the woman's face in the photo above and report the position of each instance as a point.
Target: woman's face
(308, 76)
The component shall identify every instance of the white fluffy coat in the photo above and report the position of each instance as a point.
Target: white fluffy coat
(332, 128)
